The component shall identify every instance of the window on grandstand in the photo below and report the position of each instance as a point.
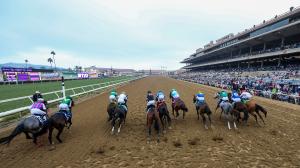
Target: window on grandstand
(269, 28)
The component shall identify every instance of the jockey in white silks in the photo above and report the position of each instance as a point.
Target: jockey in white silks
(122, 100)
(246, 95)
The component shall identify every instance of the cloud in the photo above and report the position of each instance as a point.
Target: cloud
(138, 34)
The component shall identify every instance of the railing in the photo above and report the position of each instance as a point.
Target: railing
(94, 88)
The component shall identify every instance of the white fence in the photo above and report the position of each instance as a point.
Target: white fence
(95, 87)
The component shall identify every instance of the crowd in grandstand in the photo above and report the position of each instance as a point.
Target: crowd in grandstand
(283, 84)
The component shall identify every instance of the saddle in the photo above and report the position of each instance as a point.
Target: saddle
(159, 104)
(42, 119)
(67, 114)
(199, 103)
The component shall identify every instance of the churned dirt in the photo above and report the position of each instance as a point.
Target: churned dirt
(89, 143)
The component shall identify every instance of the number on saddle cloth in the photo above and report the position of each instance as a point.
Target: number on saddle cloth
(42, 119)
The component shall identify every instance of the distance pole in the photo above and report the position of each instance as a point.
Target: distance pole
(63, 87)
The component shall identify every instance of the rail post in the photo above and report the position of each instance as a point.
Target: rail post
(63, 87)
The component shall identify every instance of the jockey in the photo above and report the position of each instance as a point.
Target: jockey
(160, 97)
(150, 100)
(200, 99)
(39, 110)
(36, 96)
(122, 100)
(66, 107)
(223, 97)
(69, 101)
(235, 97)
(246, 96)
(174, 94)
(113, 96)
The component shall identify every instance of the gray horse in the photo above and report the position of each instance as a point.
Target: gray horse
(28, 125)
(228, 111)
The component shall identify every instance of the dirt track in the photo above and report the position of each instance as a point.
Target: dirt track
(89, 143)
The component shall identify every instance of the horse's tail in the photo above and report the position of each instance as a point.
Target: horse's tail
(184, 108)
(207, 109)
(18, 130)
(260, 108)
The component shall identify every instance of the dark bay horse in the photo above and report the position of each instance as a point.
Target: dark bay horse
(119, 116)
(28, 125)
(177, 105)
(164, 115)
(202, 109)
(152, 115)
(111, 110)
(58, 121)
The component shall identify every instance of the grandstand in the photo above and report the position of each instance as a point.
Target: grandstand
(273, 43)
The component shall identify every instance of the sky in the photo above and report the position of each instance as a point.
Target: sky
(138, 34)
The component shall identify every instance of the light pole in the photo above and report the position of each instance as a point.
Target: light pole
(26, 62)
(53, 53)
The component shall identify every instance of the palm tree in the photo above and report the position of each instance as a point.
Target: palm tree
(50, 60)
(53, 53)
(26, 62)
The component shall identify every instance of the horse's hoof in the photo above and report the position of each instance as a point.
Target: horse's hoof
(205, 127)
(169, 128)
(164, 131)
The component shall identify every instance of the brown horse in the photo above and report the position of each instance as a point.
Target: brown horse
(164, 115)
(111, 110)
(253, 107)
(178, 104)
(238, 108)
(152, 115)
(202, 109)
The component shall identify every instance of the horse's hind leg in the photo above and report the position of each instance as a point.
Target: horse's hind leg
(60, 130)
(27, 135)
(50, 135)
(209, 118)
(120, 125)
(255, 116)
(257, 112)
(70, 123)
(197, 113)
(204, 120)
(34, 136)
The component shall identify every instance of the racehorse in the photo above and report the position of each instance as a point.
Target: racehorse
(164, 115)
(178, 104)
(239, 107)
(152, 115)
(111, 110)
(253, 107)
(58, 120)
(28, 125)
(120, 116)
(250, 107)
(228, 111)
(202, 108)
